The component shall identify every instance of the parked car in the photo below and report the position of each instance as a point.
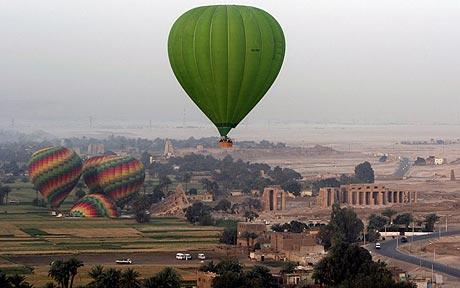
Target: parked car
(403, 239)
(188, 257)
(126, 261)
(201, 256)
(180, 256)
(377, 245)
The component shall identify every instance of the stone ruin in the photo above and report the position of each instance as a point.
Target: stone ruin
(173, 205)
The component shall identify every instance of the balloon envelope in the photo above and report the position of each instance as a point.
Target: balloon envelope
(94, 205)
(55, 171)
(114, 176)
(226, 57)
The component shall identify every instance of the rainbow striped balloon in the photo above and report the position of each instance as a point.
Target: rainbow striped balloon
(114, 176)
(55, 171)
(94, 205)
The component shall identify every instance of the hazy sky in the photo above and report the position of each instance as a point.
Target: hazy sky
(364, 61)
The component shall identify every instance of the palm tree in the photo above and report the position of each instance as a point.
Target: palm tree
(4, 281)
(59, 273)
(17, 281)
(72, 265)
(64, 272)
(129, 279)
(390, 213)
(95, 273)
(110, 278)
(167, 278)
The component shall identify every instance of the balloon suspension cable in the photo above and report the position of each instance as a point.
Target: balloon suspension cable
(225, 142)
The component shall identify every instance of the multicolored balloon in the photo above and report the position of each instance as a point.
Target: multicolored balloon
(114, 176)
(55, 171)
(94, 205)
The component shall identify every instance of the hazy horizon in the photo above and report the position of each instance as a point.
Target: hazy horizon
(346, 62)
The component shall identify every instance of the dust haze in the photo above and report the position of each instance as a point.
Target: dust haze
(362, 62)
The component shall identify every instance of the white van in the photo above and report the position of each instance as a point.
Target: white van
(180, 256)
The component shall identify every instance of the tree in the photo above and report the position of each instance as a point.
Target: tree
(157, 194)
(223, 205)
(228, 236)
(420, 161)
(96, 275)
(389, 213)
(297, 226)
(253, 204)
(288, 267)
(129, 279)
(260, 277)
(250, 215)
(344, 226)
(72, 265)
(403, 219)
(377, 222)
(187, 177)
(4, 192)
(64, 272)
(292, 186)
(197, 211)
(328, 182)
(364, 172)
(249, 236)
(4, 282)
(192, 191)
(109, 278)
(430, 220)
(352, 266)
(167, 278)
(18, 281)
(141, 208)
(229, 279)
(164, 183)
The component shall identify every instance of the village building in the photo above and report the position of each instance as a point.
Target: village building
(202, 197)
(204, 279)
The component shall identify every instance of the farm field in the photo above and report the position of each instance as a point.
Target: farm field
(30, 238)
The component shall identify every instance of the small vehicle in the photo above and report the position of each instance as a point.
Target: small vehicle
(187, 257)
(377, 245)
(403, 239)
(201, 256)
(180, 256)
(126, 261)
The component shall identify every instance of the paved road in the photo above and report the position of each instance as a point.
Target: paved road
(155, 258)
(389, 250)
(403, 167)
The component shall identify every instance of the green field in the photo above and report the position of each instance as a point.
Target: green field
(26, 229)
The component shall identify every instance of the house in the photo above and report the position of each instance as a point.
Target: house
(204, 279)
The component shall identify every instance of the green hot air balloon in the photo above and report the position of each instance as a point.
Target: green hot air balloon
(226, 57)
